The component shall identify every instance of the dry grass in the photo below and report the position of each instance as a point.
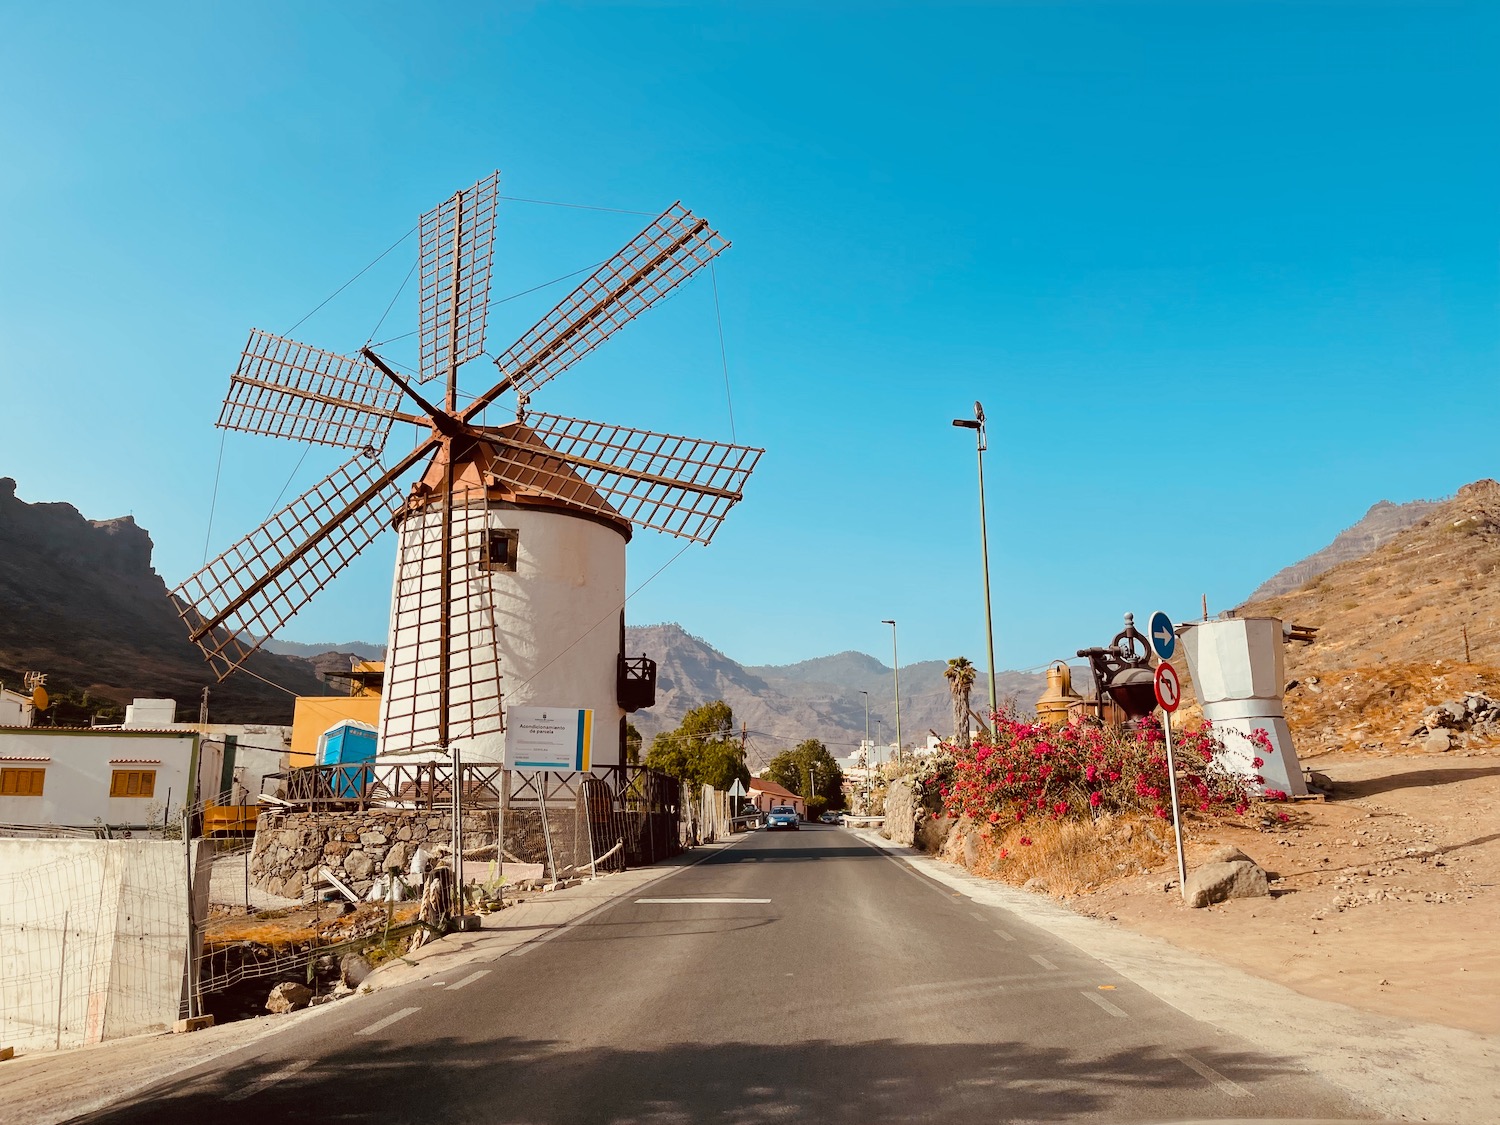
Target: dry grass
(1069, 857)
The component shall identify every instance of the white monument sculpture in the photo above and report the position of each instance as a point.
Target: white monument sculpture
(1238, 669)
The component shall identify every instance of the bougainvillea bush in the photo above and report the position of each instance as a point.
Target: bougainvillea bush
(1028, 770)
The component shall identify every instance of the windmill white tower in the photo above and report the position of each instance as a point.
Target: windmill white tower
(510, 569)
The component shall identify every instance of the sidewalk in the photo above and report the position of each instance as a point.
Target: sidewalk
(1424, 1072)
(45, 1088)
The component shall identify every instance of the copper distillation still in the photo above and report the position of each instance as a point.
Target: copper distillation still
(1122, 671)
(1058, 701)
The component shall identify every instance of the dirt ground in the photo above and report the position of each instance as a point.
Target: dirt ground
(1387, 896)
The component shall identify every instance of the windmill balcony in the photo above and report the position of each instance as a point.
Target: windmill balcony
(636, 684)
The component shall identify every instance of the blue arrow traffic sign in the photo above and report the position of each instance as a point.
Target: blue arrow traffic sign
(1163, 637)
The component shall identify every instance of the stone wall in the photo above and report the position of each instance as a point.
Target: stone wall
(901, 812)
(359, 847)
(356, 846)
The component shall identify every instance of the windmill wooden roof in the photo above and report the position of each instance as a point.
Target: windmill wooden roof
(512, 465)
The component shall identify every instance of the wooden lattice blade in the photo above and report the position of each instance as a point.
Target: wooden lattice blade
(680, 485)
(452, 310)
(250, 591)
(286, 389)
(670, 250)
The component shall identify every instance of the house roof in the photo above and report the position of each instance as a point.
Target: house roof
(771, 789)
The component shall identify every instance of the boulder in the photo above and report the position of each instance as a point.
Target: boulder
(1227, 853)
(1215, 882)
(358, 865)
(353, 969)
(1438, 742)
(288, 996)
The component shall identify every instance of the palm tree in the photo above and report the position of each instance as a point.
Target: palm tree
(960, 677)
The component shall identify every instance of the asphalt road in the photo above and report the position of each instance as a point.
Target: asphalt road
(791, 977)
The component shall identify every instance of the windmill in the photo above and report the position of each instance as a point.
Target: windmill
(510, 566)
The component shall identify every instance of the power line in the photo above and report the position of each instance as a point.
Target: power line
(352, 280)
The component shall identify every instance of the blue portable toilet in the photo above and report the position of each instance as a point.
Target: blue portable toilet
(348, 743)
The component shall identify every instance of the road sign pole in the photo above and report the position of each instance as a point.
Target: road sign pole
(1166, 726)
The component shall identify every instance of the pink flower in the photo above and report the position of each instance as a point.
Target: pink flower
(1091, 773)
(1095, 799)
(1026, 841)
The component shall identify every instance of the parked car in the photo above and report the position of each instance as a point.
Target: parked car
(782, 816)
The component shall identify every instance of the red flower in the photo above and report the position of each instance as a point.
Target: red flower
(1026, 841)
(1095, 799)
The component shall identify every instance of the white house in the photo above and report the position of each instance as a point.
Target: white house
(82, 778)
(15, 709)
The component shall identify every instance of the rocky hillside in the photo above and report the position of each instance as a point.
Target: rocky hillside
(1379, 526)
(1408, 626)
(82, 603)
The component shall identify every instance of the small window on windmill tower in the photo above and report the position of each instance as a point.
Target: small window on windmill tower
(499, 549)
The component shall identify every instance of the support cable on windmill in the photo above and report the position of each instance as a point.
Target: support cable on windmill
(511, 540)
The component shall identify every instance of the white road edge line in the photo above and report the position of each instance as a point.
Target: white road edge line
(1233, 1089)
(380, 1025)
(470, 979)
(1112, 1009)
(1042, 961)
(676, 901)
(265, 1080)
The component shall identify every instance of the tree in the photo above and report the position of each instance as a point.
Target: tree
(960, 677)
(809, 770)
(702, 750)
(632, 745)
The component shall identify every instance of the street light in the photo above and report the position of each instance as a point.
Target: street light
(867, 745)
(977, 425)
(896, 661)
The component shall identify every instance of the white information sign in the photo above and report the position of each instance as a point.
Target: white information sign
(548, 738)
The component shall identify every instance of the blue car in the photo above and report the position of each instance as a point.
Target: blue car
(782, 816)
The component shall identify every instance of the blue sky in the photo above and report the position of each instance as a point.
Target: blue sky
(1222, 275)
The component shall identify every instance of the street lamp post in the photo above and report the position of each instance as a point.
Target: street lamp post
(977, 425)
(896, 662)
(868, 747)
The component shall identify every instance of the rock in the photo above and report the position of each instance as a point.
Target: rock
(1227, 853)
(291, 886)
(1438, 742)
(1454, 710)
(971, 848)
(288, 996)
(1215, 882)
(372, 839)
(353, 969)
(398, 855)
(358, 865)
(1320, 781)
(1035, 883)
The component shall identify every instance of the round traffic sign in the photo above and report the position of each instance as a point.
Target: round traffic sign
(1163, 636)
(1168, 687)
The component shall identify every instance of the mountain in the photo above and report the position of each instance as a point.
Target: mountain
(364, 650)
(1404, 627)
(82, 604)
(820, 698)
(1382, 523)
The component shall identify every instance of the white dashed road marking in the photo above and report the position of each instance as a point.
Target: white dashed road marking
(381, 1025)
(470, 979)
(1112, 1009)
(1004, 935)
(1042, 961)
(1233, 1089)
(268, 1080)
(674, 901)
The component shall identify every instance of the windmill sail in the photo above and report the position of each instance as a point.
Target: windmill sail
(241, 598)
(669, 251)
(682, 486)
(457, 245)
(285, 389)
